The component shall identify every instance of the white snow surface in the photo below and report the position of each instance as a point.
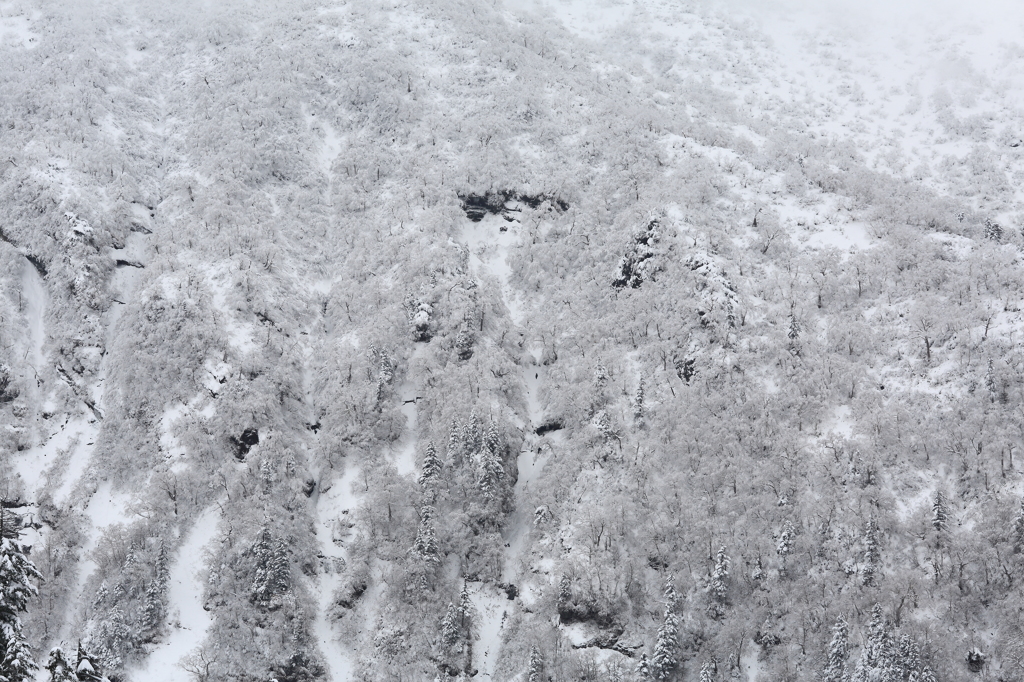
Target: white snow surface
(404, 452)
(187, 620)
(492, 611)
(335, 511)
(489, 242)
(16, 28)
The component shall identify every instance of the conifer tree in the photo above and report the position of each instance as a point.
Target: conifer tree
(471, 439)
(940, 512)
(430, 475)
(425, 544)
(718, 585)
(838, 651)
(464, 344)
(273, 572)
(666, 649)
(643, 667)
(871, 552)
(87, 668)
(456, 444)
(536, 670)
(491, 476)
(784, 545)
(638, 403)
(153, 610)
(1018, 529)
(465, 607)
(908, 657)
(794, 330)
(60, 667)
(877, 651)
(708, 670)
(450, 627)
(16, 588)
(564, 591)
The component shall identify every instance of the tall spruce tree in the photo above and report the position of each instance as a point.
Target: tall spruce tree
(708, 670)
(536, 670)
(871, 552)
(430, 475)
(1018, 529)
(940, 511)
(450, 629)
(665, 659)
(718, 585)
(838, 651)
(16, 588)
(60, 667)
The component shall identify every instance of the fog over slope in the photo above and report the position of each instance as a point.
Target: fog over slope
(514, 341)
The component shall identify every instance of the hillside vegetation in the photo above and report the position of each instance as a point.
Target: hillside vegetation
(448, 339)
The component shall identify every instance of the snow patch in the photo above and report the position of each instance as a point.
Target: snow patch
(492, 607)
(16, 31)
(187, 620)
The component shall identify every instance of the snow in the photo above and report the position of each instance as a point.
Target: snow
(842, 422)
(187, 620)
(332, 147)
(34, 291)
(403, 454)
(15, 30)
(489, 247)
(492, 607)
(334, 509)
(239, 334)
(77, 440)
(749, 661)
(104, 509)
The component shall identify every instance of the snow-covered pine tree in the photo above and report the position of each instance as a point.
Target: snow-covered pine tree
(871, 552)
(794, 328)
(87, 668)
(638, 403)
(492, 474)
(784, 544)
(492, 440)
(272, 568)
(456, 443)
(908, 657)
(665, 659)
(536, 670)
(940, 511)
(425, 544)
(465, 607)
(430, 475)
(838, 651)
(450, 627)
(993, 230)
(464, 344)
(564, 591)
(708, 670)
(877, 649)
(60, 667)
(643, 667)
(16, 588)
(1018, 529)
(718, 585)
(153, 610)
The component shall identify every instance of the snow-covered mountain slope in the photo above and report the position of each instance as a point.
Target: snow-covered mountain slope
(515, 341)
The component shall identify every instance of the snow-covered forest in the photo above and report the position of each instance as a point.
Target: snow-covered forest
(378, 340)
